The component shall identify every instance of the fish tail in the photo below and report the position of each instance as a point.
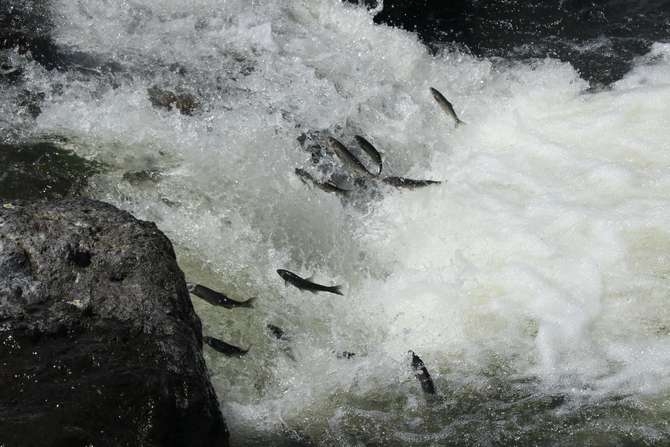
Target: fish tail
(248, 303)
(336, 290)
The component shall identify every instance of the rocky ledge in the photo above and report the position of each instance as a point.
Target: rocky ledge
(99, 343)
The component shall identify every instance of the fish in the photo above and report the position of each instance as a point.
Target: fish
(306, 284)
(223, 347)
(217, 298)
(276, 331)
(421, 373)
(7, 71)
(446, 105)
(350, 161)
(402, 182)
(346, 355)
(328, 186)
(370, 150)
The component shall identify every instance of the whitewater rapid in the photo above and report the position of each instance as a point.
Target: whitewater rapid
(538, 270)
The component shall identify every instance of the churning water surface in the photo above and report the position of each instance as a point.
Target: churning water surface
(534, 282)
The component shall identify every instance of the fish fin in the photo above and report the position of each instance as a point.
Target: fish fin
(190, 286)
(459, 122)
(310, 278)
(289, 353)
(336, 290)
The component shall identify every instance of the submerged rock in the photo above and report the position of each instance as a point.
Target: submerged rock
(41, 170)
(99, 342)
(141, 177)
(27, 26)
(29, 102)
(165, 99)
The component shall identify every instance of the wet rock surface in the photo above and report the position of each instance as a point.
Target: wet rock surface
(41, 170)
(26, 26)
(166, 99)
(99, 343)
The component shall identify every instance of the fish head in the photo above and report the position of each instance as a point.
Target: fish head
(416, 360)
(285, 274)
(337, 145)
(302, 174)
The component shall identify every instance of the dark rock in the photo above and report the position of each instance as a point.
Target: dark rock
(165, 99)
(23, 20)
(41, 170)
(600, 39)
(30, 102)
(144, 176)
(99, 343)
(26, 26)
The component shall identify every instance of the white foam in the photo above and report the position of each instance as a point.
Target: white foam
(541, 249)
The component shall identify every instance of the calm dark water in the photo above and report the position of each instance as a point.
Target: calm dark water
(600, 39)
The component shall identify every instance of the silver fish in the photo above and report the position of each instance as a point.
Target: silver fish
(349, 160)
(446, 105)
(421, 373)
(370, 150)
(402, 182)
(223, 347)
(279, 334)
(217, 298)
(306, 284)
(328, 186)
(276, 331)
(7, 71)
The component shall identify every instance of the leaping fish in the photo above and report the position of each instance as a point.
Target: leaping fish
(328, 186)
(279, 334)
(7, 71)
(217, 298)
(370, 150)
(402, 182)
(223, 347)
(306, 284)
(349, 160)
(445, 105)
(276, 331)
(421, 373)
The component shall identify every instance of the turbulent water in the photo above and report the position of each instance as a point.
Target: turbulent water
(534, 282)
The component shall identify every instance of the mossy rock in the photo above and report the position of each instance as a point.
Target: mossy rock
(42, 170)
